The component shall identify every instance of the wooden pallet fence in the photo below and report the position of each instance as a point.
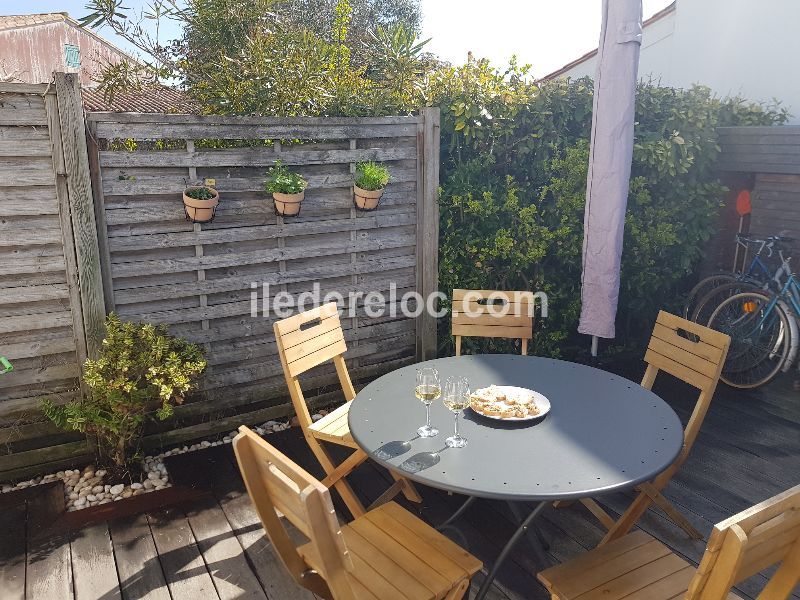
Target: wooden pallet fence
(51, 303)
(160, 268)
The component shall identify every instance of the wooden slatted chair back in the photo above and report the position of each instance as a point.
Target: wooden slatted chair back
(309, 339)
(276, 483)
(493, 314)
(692, 353)
(762, 536)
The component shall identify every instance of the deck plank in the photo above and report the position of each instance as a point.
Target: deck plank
(140, 573)
(12, 552)
(93, 569)
(49, 569)
(184, 569)
(223, 554)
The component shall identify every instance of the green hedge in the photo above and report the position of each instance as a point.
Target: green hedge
(513, 181)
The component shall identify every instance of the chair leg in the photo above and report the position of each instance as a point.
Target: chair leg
(673, 513)
(458, 345)
(629, 518)
(352, 502)
(605, 519)
(458, 592)
(344, 468)
(387, 495)
(409, 490)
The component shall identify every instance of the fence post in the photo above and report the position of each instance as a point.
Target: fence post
(427, 226)
(81, 205)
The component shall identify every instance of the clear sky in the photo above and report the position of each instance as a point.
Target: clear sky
(545, 33)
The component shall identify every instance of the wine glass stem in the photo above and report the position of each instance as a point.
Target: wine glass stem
(428, 416)
(457, 425)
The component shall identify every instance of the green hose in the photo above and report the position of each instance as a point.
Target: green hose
(6, 365)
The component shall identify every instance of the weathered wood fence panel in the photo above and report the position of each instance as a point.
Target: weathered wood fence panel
(760, 149)
(68, 257)
(199, 279)
(46, 294)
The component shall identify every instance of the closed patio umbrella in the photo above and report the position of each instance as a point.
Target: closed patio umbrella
(610, 156)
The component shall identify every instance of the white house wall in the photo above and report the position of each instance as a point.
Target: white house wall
(733, 46)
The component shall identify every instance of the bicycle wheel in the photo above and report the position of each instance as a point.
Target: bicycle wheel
(703, 287)
(705, 307)
(760, 338)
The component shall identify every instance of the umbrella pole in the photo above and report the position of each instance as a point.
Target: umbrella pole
(594, 346)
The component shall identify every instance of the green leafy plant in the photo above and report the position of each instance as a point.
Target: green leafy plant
(283, 181)
(372, 176)
(141, 370)
(514, 158)
(200, 193)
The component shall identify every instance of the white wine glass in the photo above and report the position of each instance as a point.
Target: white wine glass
(428, 389)
(456, 398)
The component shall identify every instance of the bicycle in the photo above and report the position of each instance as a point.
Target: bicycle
(756, 275)
(763, 327)
(716, 296)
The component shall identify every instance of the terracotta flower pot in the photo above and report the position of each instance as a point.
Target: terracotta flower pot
(288, 205)
(367, 199)
(200, 211)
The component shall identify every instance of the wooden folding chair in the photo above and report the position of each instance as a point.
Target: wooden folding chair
(639, 567)
(306, 340)
(497, 314)
(385, 554)
(694, 354)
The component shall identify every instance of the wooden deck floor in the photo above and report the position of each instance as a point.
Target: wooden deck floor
(748, 450)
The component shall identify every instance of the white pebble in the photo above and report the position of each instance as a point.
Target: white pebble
(98, 489)
(148, 484)
(91, 497)
(153, 475)
(100, 472)
(80, 502)
(136, 486)
(116, 490)
(105, 501)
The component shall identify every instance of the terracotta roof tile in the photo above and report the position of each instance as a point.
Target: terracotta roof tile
(150, 99)
(14, 21)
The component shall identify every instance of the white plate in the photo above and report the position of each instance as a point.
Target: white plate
(541, 401)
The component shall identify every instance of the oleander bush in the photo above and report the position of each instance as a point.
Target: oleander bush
(141, 371)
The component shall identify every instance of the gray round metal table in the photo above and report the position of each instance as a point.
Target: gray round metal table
(603, 433)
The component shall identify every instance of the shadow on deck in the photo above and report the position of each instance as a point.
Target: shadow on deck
(213, 547)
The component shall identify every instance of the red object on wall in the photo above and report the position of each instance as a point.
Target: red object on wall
(743, 203)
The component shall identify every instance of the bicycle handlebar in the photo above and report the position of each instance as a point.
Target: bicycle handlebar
(745, 238)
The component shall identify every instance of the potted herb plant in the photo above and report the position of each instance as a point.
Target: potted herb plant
(370, 182)
(200, 203)
(287, 189)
